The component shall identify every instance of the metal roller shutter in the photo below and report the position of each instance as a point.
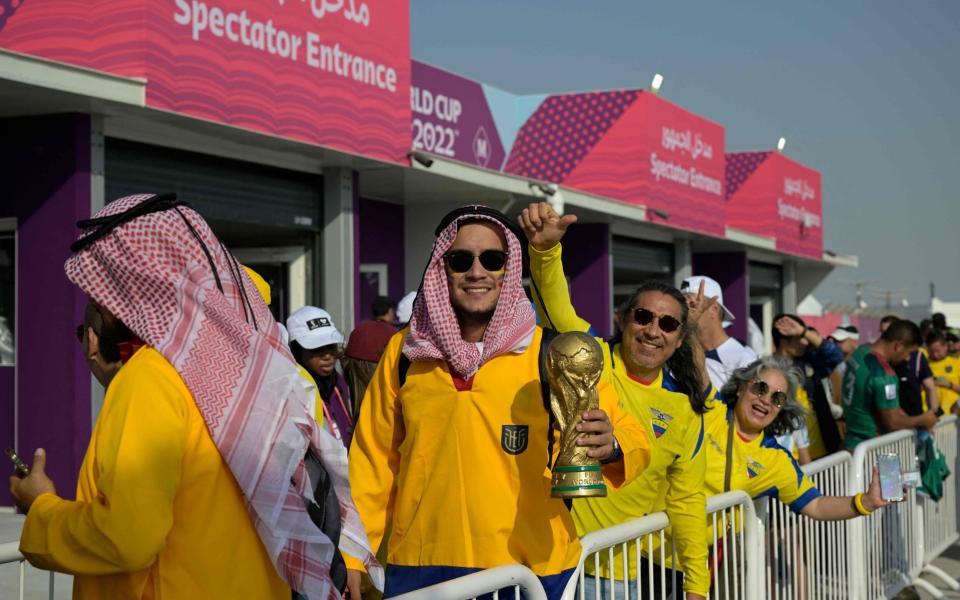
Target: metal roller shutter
(219, 188)
(631, 255)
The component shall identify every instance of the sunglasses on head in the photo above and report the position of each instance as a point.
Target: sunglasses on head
(667, 324)
(761, 388)
(461, 261)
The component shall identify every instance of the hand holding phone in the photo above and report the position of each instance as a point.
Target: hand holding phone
(891, 478)
(21, 467)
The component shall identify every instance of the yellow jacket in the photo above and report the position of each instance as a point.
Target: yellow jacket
(158, 513)
(437, 465)
(673, 481)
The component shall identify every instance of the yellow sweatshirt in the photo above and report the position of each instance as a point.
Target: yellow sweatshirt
(461, 475)
(674, 480)
(158, 513)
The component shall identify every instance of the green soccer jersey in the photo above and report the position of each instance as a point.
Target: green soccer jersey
(869, 385)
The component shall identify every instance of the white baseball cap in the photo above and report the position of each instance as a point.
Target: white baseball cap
(405, 307)
(312, 327)
(691, 285)
(842, 334)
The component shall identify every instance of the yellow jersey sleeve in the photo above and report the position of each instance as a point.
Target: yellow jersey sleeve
(374, 451)
(795, 489)
(140, 448)
(554, 308)
(631, 436)
(686, 506)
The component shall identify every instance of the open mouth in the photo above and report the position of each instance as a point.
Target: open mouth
(759, 411)
(477, 290)
(649, 344)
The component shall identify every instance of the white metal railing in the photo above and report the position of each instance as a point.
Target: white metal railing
(807, 559)
(622, 549)
(10, 553)
(736, 551)
(887, 546)
(940, 516)
(490, 581)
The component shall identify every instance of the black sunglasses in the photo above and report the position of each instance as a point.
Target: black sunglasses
(461, 261)
(761, 388)
(667, 324)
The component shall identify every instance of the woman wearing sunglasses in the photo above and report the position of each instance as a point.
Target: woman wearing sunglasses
(743, 454)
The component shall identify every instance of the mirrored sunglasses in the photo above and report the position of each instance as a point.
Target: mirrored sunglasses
(667, 324)
(461, 261)
(760, 388)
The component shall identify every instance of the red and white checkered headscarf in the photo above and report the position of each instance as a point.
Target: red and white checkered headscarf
(153, 275)
(434, 329)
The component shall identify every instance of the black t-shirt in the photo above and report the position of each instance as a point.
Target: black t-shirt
(912, 372)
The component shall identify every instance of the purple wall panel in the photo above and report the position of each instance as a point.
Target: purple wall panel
(50, 171)
(586, 261)
(729, 269)
(380, 240)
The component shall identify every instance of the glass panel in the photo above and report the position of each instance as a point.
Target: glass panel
(8, 297)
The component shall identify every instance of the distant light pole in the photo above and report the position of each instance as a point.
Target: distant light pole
(656, 83)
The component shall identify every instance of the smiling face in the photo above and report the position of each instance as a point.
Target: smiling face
(474, 293)
(648, 347)
(754, 413)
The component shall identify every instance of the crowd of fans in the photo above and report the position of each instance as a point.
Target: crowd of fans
(426, 435)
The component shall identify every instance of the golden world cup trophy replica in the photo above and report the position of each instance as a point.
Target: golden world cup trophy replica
(574, 363)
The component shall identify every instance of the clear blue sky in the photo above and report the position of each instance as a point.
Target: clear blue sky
(866, 92)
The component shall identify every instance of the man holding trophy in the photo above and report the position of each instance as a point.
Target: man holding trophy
(457, 453)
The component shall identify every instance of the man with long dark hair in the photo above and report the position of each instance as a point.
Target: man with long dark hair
(651, 362)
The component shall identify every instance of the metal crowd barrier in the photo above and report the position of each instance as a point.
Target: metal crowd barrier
(807, 559)
(736, 555)
(940, 529)
(641, 537)
(490, 581)
(887, 546)
(10, 553)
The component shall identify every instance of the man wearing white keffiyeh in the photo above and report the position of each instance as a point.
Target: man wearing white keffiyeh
(195, 482)
(455, 457)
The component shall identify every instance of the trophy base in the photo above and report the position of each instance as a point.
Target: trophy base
(577, 481)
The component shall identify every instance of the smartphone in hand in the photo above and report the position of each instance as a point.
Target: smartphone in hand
(22, 469)
(891, 478)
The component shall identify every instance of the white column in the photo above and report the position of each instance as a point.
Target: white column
(789, 286)
(337, 260)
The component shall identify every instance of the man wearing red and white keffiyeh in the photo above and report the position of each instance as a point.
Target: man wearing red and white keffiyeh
(451, 452)
(195, 480)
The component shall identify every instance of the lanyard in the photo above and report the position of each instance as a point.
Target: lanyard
(326, 414)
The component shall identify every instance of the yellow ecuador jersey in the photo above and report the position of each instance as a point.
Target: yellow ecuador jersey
(459, 469)
(158, 513)
(759, 467)
(949, 369)
(816, 448)
(674, 480)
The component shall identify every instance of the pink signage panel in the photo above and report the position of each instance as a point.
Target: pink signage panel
(330, 72)
(631, 146)
(774, 196)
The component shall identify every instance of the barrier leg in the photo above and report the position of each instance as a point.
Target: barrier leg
(928, 588)
(940, 574)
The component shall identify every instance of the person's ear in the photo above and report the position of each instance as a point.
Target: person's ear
(92, 347)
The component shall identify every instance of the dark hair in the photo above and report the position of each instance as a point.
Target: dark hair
(791, 413)
(889, 319)
(850, 329)
(777, 336)
(939, 321)
(681, 364)
(934, 336)
(903, 331)
(109, 329)
(382, 305)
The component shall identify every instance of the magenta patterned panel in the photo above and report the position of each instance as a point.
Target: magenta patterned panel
(330, 73)
(740, 166)
(562, 132)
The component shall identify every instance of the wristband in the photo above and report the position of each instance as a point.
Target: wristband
(858, 504)
(616, 455)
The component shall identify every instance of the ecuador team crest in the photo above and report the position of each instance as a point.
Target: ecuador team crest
(753, 468)
(513, 438)
(660, 421)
